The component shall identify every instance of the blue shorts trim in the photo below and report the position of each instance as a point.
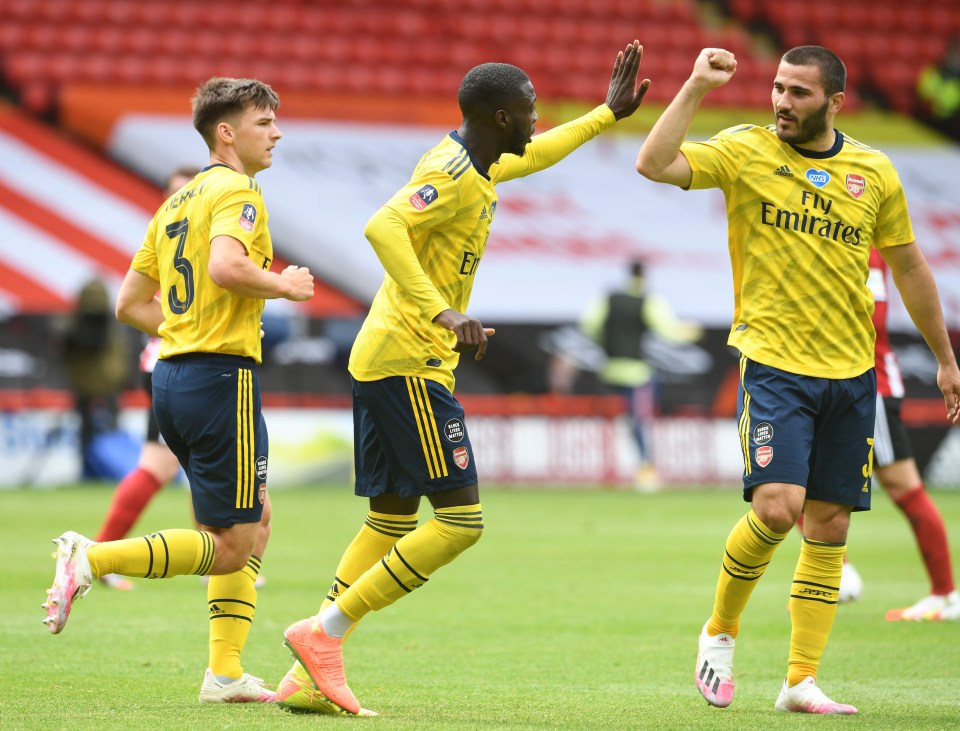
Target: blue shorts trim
(209, 411)
(813, 432)
(410, 438)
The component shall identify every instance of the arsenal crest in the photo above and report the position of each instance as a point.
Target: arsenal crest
(462, 457)
(764, 456)
(856, 185)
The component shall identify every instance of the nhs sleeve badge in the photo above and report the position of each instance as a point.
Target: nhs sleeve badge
(423, 197)
(248, 216)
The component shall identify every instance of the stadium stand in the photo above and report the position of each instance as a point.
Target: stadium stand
(90, 67)
(884, 44)
(412, 48)
(419, 48)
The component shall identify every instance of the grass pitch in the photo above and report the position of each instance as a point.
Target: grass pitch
(577, 610)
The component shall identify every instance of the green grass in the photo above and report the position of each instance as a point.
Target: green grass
(577, 610)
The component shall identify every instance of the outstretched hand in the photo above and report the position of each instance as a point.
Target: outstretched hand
(471, 334)
(623, 95)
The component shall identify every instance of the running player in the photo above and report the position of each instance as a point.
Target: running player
(411, 439)
(208, 252)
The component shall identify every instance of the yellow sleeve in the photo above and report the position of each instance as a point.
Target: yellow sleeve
(716, 162)
(145, 260)
(239, 213)
(591, 323)
(662, 320)
(551, 147)
(389, 234)
(893, 219)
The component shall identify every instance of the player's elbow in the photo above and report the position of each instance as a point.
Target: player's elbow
(125, 309)
(646, 167)
(223, 272)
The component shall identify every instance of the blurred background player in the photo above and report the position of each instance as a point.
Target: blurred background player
(208, 252)
(897, 472)
(620, 323)
(96, 361)
(410, 437)
(938, 89)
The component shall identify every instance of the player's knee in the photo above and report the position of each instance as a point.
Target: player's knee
(778, 517)
(228, 562)
(232, 552)
(461, 534)
(263, 538)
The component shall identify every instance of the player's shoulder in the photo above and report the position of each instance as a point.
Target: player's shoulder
(448, 160)
(853, 145)
(746, 131)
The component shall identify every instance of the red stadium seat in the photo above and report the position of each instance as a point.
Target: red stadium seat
(380, 45)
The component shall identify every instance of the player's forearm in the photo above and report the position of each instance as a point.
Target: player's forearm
(136, 303)
(918, 290)
(552, 146)
(387, 233)
(662, 145)
(242, 277)
(146, 316)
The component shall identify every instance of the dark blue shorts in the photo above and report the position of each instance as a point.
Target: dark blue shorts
(814, 432)
(409, 438)
(153, 428)
(209, 411)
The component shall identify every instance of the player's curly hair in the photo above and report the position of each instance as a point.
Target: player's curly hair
(833, 74)
(220, 98)
(488, 88)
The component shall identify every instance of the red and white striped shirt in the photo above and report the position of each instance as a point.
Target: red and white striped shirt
(149, 355)
(889, 379)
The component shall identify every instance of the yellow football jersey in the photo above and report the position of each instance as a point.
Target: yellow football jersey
(800, 228)
(430, 237)
(199, 316)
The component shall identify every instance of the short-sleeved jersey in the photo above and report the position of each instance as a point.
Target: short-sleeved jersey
(800, 228)
(199, 316)
(889, 378)
(435, 228)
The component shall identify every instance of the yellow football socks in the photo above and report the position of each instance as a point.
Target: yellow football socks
(231, 603)
(748, 551)
(379, 533)
(156, 556)
(413, 559)
(813, 606)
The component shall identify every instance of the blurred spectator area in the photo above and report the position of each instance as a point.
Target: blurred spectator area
(884, 43)
(417, 48)
(422, 48)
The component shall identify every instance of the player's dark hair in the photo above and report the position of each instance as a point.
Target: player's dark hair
(488, 88)
(833, 74)
(223, 98)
